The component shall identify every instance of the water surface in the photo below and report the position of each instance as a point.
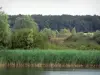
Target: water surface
(37, 71)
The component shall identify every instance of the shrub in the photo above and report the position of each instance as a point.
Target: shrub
(22, 38)
(97, 37)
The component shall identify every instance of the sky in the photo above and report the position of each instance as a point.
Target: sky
(51, 7)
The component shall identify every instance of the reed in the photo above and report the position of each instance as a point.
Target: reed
(62, 57)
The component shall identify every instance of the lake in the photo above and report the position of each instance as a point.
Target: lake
(41, 71)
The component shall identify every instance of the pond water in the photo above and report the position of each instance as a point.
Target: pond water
(35, 71)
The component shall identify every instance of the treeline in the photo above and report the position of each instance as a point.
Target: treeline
(25, 33)
(85, 23)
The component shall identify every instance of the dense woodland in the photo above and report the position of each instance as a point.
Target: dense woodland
(49, 32)
(84, 23)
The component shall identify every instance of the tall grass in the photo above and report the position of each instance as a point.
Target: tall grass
(76, 57)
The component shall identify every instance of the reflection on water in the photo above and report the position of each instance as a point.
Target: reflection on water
(37, 71)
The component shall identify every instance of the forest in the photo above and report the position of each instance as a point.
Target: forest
(83, 23)
(49, 32)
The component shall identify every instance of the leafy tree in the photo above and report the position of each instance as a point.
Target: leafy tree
(64, 31)
(48, 32)
(22, 38)
(27, 38)
(40, 41)
(24, 33)
(57, 33)
(97, 36)
(25, 22)
(4, 30)
(74, 31)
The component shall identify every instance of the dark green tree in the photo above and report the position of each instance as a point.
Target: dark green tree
(4, 30)
(25, 22)
(24, 33)
(74, 31)
(97, 36)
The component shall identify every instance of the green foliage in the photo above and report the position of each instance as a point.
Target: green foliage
(83, 23)
(57, 32)
(76, 37)
(25, 22)
(40, 41)
(72, 57)
(27, 38)
(48, 32)
(97, 37)
(22, 38)
(64, 31)
(26, 35)
(85, 45)
(4, 30)
(74, 31)
(82, 42)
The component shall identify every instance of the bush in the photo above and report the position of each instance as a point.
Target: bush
(97, 37)
(40, 41)
(22, 38)
(81, 41)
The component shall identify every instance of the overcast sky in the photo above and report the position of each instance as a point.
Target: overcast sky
(53, 7)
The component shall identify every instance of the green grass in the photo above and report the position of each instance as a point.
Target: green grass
(77, 57)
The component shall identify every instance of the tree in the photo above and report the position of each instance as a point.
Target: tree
(48, 32)
(22, 38)
(24, 33)
(74, 31)
(4, 30)
(40, 41)
(64, 33)
(97, 36)
(25, 22)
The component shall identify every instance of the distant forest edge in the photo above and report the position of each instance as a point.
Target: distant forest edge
(49, 32)
(84, 23)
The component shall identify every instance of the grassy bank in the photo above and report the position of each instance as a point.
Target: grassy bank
(53, 58)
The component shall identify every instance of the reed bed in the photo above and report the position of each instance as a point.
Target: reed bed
(50, 57)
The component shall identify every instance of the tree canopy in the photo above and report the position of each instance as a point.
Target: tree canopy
(25, 22)
(84, 23)
(4, 29)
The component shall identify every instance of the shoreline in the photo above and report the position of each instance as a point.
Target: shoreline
(49, 65)
(50, 58)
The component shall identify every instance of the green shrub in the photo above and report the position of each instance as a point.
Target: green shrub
(97, 37)
(22, 38)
